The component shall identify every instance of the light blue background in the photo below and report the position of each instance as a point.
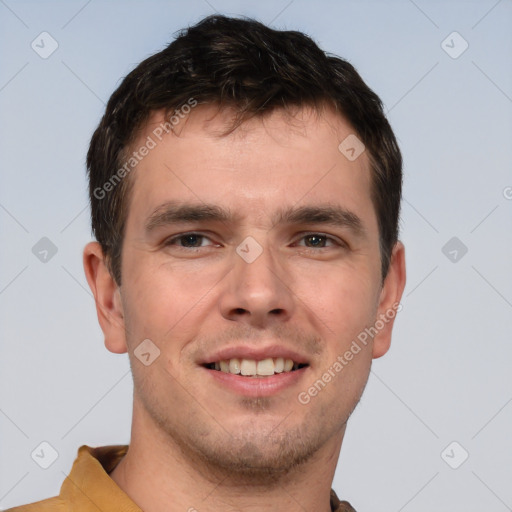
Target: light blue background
(447, 377)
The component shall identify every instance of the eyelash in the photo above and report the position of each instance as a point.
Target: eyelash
(170, 241)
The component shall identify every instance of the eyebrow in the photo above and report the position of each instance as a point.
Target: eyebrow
(174, 212)
(322, 214)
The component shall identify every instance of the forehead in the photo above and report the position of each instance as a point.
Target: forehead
(269, 162)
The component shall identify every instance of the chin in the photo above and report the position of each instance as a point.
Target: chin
(257, 453)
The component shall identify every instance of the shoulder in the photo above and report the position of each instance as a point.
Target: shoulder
(345, 506)
(48, 505)
(340, 506)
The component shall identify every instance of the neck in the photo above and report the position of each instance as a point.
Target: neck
(159, 477)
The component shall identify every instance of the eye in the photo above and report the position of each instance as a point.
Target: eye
(188, 241)
(319, 241)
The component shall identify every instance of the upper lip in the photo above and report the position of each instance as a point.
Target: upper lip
(257, 353)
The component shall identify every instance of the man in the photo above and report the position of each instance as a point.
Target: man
(245, 193)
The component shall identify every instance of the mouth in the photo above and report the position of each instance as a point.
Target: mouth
(255, 368)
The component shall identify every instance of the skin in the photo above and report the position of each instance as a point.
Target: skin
(197, 444)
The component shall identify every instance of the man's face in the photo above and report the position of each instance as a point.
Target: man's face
(272, 278)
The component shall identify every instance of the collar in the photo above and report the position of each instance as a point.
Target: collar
(90, 486)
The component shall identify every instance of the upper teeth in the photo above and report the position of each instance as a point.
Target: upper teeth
(250, 367)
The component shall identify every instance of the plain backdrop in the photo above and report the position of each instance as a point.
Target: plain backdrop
(442, 393)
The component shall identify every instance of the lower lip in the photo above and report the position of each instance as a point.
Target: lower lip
(258, 386)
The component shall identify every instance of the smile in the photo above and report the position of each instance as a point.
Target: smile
(253, 368)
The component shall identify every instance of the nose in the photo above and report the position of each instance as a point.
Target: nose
(257, 292)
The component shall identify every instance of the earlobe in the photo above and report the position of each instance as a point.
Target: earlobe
(389, 304)
(107, 296)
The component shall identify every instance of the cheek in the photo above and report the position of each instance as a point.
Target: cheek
(344, 299)
(162, 302)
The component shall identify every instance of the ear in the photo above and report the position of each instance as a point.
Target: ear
(389, 302)
(107, 296)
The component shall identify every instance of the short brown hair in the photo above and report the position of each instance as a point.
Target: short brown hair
(242, 64)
